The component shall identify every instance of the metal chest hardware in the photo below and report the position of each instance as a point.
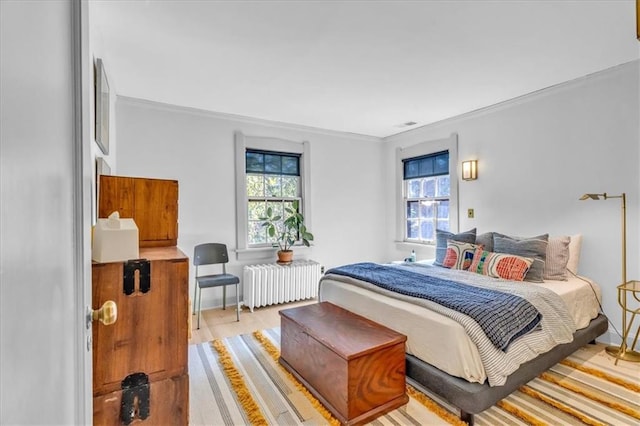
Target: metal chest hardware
(143, 266)
(135, 398)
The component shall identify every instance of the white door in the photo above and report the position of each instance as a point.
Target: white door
(45, 178)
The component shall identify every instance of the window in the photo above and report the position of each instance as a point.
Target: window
(427, 191)
(270, 172)
(426, 196)
(272, 181)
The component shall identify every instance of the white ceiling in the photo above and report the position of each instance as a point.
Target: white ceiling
(362, 67)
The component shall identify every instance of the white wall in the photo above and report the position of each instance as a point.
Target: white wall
(536, 155)
(197, 149)
(98, 50)
(44, 227)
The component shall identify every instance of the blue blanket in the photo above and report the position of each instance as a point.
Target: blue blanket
(503, 317)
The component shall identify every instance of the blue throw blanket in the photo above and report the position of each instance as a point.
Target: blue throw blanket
(503, 317)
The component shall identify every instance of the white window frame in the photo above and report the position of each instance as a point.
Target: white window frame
(425, 148)
(244, 142)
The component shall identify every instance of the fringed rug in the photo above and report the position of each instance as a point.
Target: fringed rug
(238, 381)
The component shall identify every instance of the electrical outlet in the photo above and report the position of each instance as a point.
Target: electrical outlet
(470, 213)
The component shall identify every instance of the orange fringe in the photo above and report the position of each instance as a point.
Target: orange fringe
(510, 408)
(434, 407)
(275, 354)
(239, 386)
(589, 370)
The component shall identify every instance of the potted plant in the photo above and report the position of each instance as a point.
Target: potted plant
(292, 230)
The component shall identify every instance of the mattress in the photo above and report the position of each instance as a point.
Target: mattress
(437, 339)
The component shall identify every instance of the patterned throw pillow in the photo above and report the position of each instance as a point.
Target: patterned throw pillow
(441, 242)
(459, 255)
(534, 247)
(500, 265)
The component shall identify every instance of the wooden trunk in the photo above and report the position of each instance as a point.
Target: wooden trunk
(150, 336)
(152, 203)
(354, 366)
(166, 405)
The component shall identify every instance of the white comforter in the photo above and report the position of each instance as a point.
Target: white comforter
(452, 341)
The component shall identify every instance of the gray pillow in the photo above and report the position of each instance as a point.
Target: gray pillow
(535, 247)
(486, 240)
(441, 242)
(557, 257)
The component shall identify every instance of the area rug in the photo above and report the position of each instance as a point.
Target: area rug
(238, 381)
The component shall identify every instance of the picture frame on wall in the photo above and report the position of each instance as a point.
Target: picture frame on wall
(102, 168)
(102, 107)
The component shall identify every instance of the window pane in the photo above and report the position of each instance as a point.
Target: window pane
(412, 209)
(427, 231)
(413, 188)
(290, 166)
(272, 163)
(257, 209)
(429, 187)
(443, 210)
(411, 169)
(273, 186)
(255, 162)
(426, 209)
(443, 186)
(290, 186)
(426, 167)
(274, 239)
(255, 185)
(287, 205)
(412, 229)
(441, 164)
(257, 233)
(276, 206)
(443, 224)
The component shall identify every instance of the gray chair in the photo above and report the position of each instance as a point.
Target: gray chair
(210, 254)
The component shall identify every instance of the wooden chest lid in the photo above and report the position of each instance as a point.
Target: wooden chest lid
(347, 334)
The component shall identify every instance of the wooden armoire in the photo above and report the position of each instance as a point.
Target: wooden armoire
(140, 362)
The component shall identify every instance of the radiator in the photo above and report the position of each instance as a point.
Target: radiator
(270, 284)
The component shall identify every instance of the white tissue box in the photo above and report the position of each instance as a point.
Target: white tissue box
(115, 244)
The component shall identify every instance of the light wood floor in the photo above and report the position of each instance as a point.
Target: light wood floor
(218, 323)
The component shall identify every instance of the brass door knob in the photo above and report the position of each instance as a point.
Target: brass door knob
(107, 314)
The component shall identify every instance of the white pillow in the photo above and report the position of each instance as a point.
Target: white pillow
(574, 253)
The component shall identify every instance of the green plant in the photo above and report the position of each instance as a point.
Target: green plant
(291, 230)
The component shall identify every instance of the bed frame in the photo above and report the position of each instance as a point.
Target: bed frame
(473, 398)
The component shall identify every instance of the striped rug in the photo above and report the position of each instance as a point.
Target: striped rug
(238, 381)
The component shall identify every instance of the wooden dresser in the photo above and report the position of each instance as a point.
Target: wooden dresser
(354, 366)
(140, 372)
(152, 203)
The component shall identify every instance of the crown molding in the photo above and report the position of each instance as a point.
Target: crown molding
(244, 119)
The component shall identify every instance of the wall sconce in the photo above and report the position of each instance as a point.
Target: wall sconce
(470, 170)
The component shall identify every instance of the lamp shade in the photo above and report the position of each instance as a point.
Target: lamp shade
(470, 170)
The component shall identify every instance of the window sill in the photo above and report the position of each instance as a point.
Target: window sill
(267, 253)
(404, 244)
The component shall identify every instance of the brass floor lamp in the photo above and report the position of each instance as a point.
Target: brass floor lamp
(633, 287)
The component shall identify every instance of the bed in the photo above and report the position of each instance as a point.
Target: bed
(459, 367)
